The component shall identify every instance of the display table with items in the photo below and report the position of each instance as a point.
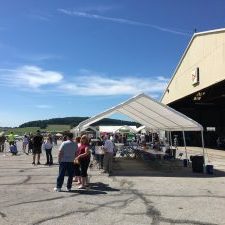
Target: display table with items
(149, 154)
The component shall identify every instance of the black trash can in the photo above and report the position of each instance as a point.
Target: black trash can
(209, 169)
(197, 163)
(174, 151)
(185, 162)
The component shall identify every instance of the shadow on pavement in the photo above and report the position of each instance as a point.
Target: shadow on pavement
(97, 188)
(87, 191)
(158, 168)
(102, 187)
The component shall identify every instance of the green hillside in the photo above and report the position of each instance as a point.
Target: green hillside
(22, 131)
(74, 121)
(57, 128)
(57, 125)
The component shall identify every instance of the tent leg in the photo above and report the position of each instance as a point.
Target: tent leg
(171, 143)
(203, 148)
(168, 137)
(185, 147)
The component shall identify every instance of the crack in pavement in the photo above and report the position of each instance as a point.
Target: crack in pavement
(154, 213)
(57, 217)
(28, 178)
(3, 215)
(53, 217)
(43, 200)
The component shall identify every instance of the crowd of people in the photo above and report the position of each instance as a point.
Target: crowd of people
(74, 155)
(74, 159)
(32, 143)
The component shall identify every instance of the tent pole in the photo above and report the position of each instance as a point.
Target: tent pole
(185, 145)
(171, 144)
(168, 137)
(203, 148)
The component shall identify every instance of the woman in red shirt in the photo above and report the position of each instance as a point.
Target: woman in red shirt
(83, 157)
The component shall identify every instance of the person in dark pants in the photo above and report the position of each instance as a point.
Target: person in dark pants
(48, 149)
(77, 177)
(2, 141)
(30, 143)
(67, 153)
(37, 144)
(83, 157)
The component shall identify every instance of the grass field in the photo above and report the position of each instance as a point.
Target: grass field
(50, 128)
(57, 128)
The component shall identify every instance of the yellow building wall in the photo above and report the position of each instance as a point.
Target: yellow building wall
(206, 51)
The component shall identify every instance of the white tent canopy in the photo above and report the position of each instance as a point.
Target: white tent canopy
(150, 113)
(114, 129)
(77, 131)
(140, 128)
(153, 115)
(131, 129)
(90, 127)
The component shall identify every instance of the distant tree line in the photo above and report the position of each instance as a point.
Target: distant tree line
(74, 121)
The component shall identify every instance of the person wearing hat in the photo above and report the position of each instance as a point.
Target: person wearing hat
(37, 144)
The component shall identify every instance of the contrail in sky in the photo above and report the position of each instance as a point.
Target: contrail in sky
(120, 20)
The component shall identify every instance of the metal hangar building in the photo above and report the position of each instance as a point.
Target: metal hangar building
(197, 87)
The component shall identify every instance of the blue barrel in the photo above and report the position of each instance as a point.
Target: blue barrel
(209, 169)
(185, 162)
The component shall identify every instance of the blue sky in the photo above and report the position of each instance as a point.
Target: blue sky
(80, 57)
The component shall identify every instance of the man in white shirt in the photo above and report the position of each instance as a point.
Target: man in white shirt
(108, 156)
(67, 153)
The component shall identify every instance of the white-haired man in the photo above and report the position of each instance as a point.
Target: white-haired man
(108, 156)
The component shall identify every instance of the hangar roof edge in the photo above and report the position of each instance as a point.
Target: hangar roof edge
(186, 50)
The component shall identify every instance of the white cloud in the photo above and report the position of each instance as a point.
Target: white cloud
(40, 17)
(97, 8)
(29, 77)
(38, 57)
(93, 85)
(43, 106)
(120, 20)
(85, 83)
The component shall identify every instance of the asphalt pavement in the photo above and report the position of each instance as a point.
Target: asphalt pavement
(139, 192)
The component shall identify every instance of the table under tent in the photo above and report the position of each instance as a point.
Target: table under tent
(153, 115)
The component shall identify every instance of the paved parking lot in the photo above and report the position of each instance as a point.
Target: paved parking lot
(158, 192)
